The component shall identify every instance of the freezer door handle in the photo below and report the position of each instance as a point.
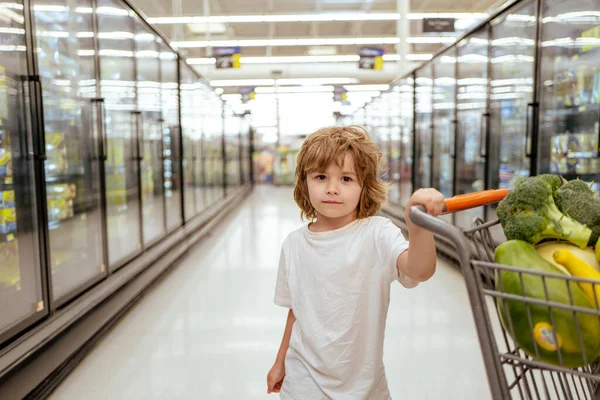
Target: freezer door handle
(483, 134)
(40, 153)
(528, 116)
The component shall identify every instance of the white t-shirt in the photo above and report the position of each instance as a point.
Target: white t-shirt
(337, 283)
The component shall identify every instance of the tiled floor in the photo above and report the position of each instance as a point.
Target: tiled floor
(211, 331)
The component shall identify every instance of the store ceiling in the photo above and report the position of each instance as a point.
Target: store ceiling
(183, 33)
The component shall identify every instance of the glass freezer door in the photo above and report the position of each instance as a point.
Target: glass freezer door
(150, 126)
(20, 269)
(511, 96)
(190, 154)
(118, 84)
(423, 125)
(444, 95)
(171, 144)
(67, 70)
(472, 86)
(570, 90)
(406, 90)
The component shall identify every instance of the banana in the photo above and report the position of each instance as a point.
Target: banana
(578, 268)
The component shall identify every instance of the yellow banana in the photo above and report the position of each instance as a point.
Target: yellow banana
(578, 268)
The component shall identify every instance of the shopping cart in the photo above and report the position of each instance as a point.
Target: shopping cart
(512, 374)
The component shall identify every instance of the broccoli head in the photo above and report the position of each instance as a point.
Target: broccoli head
(576, 199)
(529, 213)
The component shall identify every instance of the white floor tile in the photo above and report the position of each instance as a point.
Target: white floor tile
(210, 330)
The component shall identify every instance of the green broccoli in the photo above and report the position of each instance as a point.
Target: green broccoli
(529, 213)
(576, 199)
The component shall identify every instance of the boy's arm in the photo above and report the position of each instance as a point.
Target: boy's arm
(419, 261)
(285, 342)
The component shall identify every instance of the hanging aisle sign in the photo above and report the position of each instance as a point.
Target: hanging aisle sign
(247, 94)
(437, 25)
(227, 57)
(371, 58)
(340, 94)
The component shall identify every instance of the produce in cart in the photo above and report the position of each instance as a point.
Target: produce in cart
(551, 224)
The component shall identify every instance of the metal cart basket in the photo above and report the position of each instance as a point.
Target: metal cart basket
(512, 372)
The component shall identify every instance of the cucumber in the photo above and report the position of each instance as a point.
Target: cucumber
(540, 333)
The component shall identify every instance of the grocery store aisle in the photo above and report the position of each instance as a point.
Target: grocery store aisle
(210, 330)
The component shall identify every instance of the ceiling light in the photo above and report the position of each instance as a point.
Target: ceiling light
(308, 59)
(361, 88)
(294, 89)
(243, 82)
(288, 42)
(447, 15)
(321, 17)
(431, 40)
(277, 18)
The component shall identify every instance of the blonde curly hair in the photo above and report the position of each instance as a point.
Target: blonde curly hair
(329, 145)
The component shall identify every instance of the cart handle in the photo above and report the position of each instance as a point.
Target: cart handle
(471, 200)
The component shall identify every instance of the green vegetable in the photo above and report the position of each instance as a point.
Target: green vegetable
(576, 199)
(547, 334)
(528, 213)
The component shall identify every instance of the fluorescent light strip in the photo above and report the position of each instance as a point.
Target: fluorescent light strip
(308, 59)
(283, 82)
(431, 40)
(14, 6)
(331, 17)
(16, 31)
(277, 18)
(288, 42)
(295, 89)
(361, 88)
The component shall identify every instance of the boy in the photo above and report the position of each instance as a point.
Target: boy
(335, 273)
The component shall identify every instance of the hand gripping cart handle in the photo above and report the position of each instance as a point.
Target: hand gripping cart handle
(532, 369)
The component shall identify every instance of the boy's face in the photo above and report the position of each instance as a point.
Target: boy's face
(335, 193)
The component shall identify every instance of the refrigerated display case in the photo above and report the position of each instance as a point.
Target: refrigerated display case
(472, 119)
(189, 127)
(67, 73)
(150, 133)
(395, 129)
(214, 145)
(444, 125)
(116, 37)
(170, 134)
(232, 149)
(511, 100)
(406, 90)
(20, 261)
(423, 125)
(569, 124)
(202, 196)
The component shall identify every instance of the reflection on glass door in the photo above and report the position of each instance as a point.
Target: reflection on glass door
(444, 94)
(150, 133)
(213, 156)
(472, 86)
(423, 126)
(570, 90)
(118, 84)
(67, 71)
(189, 151)
(199, 144)
(395, 127)
(511, 98)
(20, 269)
(171, 145)
(406, 88)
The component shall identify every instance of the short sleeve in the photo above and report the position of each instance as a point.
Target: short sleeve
(282, 289)
(391, 244)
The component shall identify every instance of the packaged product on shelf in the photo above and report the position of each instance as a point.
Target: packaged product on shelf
(8, 198)
(3, 96)
(56, 153)
(5, 163)
(10, 220)
(9, 259)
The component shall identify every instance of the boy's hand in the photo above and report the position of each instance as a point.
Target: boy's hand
(431, 199)
(275, 378)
